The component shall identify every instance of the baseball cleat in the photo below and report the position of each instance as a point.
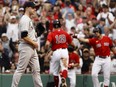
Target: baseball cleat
(63, 82)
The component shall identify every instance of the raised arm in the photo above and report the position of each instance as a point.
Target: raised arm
(47, 45)
(112, 25)
(83, 40)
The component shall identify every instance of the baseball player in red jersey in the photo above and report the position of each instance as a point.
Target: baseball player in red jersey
(102, 46)
(72, 66)
(59, 39)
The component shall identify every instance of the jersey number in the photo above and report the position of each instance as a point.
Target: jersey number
(60, 39)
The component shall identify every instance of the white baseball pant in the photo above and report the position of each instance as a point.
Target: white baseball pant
(104, 64)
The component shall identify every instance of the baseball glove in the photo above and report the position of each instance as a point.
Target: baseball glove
(40, 29)
(70, 66)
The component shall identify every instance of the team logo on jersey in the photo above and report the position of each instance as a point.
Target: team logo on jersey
(96, 41)
(98, 45)
(72, 61)
(106, 44)
(31, 26)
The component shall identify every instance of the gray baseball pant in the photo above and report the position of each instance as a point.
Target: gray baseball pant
(27, 56)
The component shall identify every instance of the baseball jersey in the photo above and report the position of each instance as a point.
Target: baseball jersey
(102, 46)
(26, 24)
(73, 58)
(59, 39)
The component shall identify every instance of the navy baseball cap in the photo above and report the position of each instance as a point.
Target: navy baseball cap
(29, 4)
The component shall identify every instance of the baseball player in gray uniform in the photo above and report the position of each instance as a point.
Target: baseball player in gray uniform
(27, 48)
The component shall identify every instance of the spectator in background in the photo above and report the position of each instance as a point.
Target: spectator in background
(90, 26)
(15, 56)
(6, 13)
(8, 1)
(3, 28)
(21, 12)
(92, 54)
(52, 1)
(85, 34)
(83, 2)
(70, 21)
(47, 6)
(112, 27)
(74, 37)
(42, 58)
(79, 16)
(101, 24)
(67, 9)
(108, 16)
(1, 8)
(80, 27)
(13, 29)
(106, 2)
(56, 11)
(112, 8)
(107, 32)
(6, 53)
(80, 7)
(60, 3)
(21, 2)
(87, 61)
(1, 49)
(87, 31)
(89, 13)
(6, 45)
(95, 22)
(15, 5)
(50, 18)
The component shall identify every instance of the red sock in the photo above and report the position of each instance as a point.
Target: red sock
(56, 80)
(64, 74)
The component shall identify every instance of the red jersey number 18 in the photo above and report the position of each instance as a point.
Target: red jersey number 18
(60, 38)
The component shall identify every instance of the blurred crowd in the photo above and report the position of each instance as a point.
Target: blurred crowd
(77, 17)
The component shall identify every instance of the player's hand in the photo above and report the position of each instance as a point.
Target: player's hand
(107, 15)
(71, 65)
(74, 36)
(35, 45)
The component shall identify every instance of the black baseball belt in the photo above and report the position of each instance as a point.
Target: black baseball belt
(103, 56)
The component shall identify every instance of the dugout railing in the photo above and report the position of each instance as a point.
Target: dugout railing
(26, 80)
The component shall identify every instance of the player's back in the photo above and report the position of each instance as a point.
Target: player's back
(59, 39)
